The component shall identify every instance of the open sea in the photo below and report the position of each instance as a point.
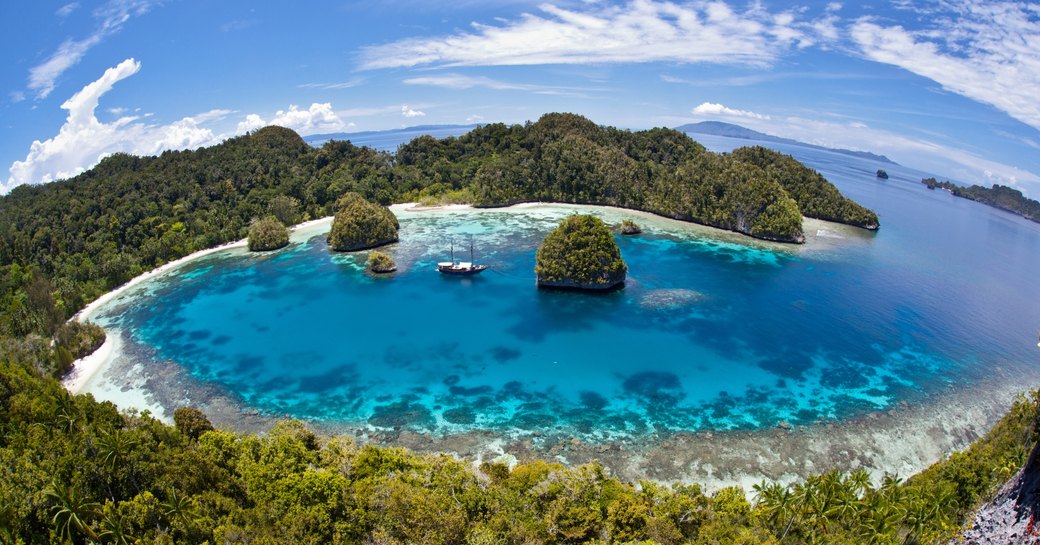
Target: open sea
(713, 331)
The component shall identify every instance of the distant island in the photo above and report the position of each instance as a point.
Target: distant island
(998, 196)
(387, 140)
(729, 130)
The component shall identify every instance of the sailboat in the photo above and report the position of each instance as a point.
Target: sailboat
(460, 268)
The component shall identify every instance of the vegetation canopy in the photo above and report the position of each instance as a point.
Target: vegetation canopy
(580, 253)
(267, 234)
(379, 262)
(359, 225)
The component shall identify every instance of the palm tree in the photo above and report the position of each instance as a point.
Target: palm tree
(860, 481)
(72, 512)
(113, 446)
(115, 529)
(179, 508)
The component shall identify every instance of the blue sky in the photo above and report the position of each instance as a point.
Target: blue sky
(947, 87)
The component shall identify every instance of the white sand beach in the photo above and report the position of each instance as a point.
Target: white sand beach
(85, 369)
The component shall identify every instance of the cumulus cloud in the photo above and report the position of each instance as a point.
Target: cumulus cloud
(408, 112)
(986, 51)
(711, 108)
(83, 140)
(318, 118)
(639, 31)
(111, 16)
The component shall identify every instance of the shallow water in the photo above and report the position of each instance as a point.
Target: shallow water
(712, 330)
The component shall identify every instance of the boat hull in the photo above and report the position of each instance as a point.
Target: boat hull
(460, 271)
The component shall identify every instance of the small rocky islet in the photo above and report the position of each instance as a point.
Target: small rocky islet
(360, 225)
(580, 254)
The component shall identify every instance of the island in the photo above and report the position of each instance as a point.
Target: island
(380, 263)
(267, 234)
(580, 254)
(729, 130)
(815, 196)
(567, 158)
(360, 225)
(78, 470)
(629, 227)
(999, 196)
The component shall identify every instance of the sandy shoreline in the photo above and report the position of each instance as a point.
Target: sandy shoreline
(84, 369)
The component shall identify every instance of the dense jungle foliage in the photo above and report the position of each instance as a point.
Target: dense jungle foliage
(580, 253)
(998, 196)
(73, 470)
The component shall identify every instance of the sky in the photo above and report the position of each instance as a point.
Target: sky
(950, 88)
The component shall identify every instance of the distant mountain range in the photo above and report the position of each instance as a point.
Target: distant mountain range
(388, 140)
(729, 130)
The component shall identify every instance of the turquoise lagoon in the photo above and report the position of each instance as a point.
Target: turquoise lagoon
(712, 330)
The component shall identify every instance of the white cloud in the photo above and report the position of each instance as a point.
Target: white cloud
(919, 152)
(461, 82)
(239, 24)
(319, 118)
(43, 77)
(986, 51)
(408, 112)
(640, 31)
(711, 108)
(67, 9)
(83, 140)
(251, 123)
(333, 86)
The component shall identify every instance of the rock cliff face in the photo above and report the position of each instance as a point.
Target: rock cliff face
(1011, 518)
(580, 254)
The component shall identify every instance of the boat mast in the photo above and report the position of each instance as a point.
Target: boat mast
(471, 250)
(453, 252)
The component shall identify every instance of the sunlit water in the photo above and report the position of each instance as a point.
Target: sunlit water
(711, 331)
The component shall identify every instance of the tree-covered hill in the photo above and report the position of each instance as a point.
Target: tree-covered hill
(998, 196)
(90, 233)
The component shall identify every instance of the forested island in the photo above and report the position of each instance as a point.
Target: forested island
(75, 470)
(998, 196)
(580, 254)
